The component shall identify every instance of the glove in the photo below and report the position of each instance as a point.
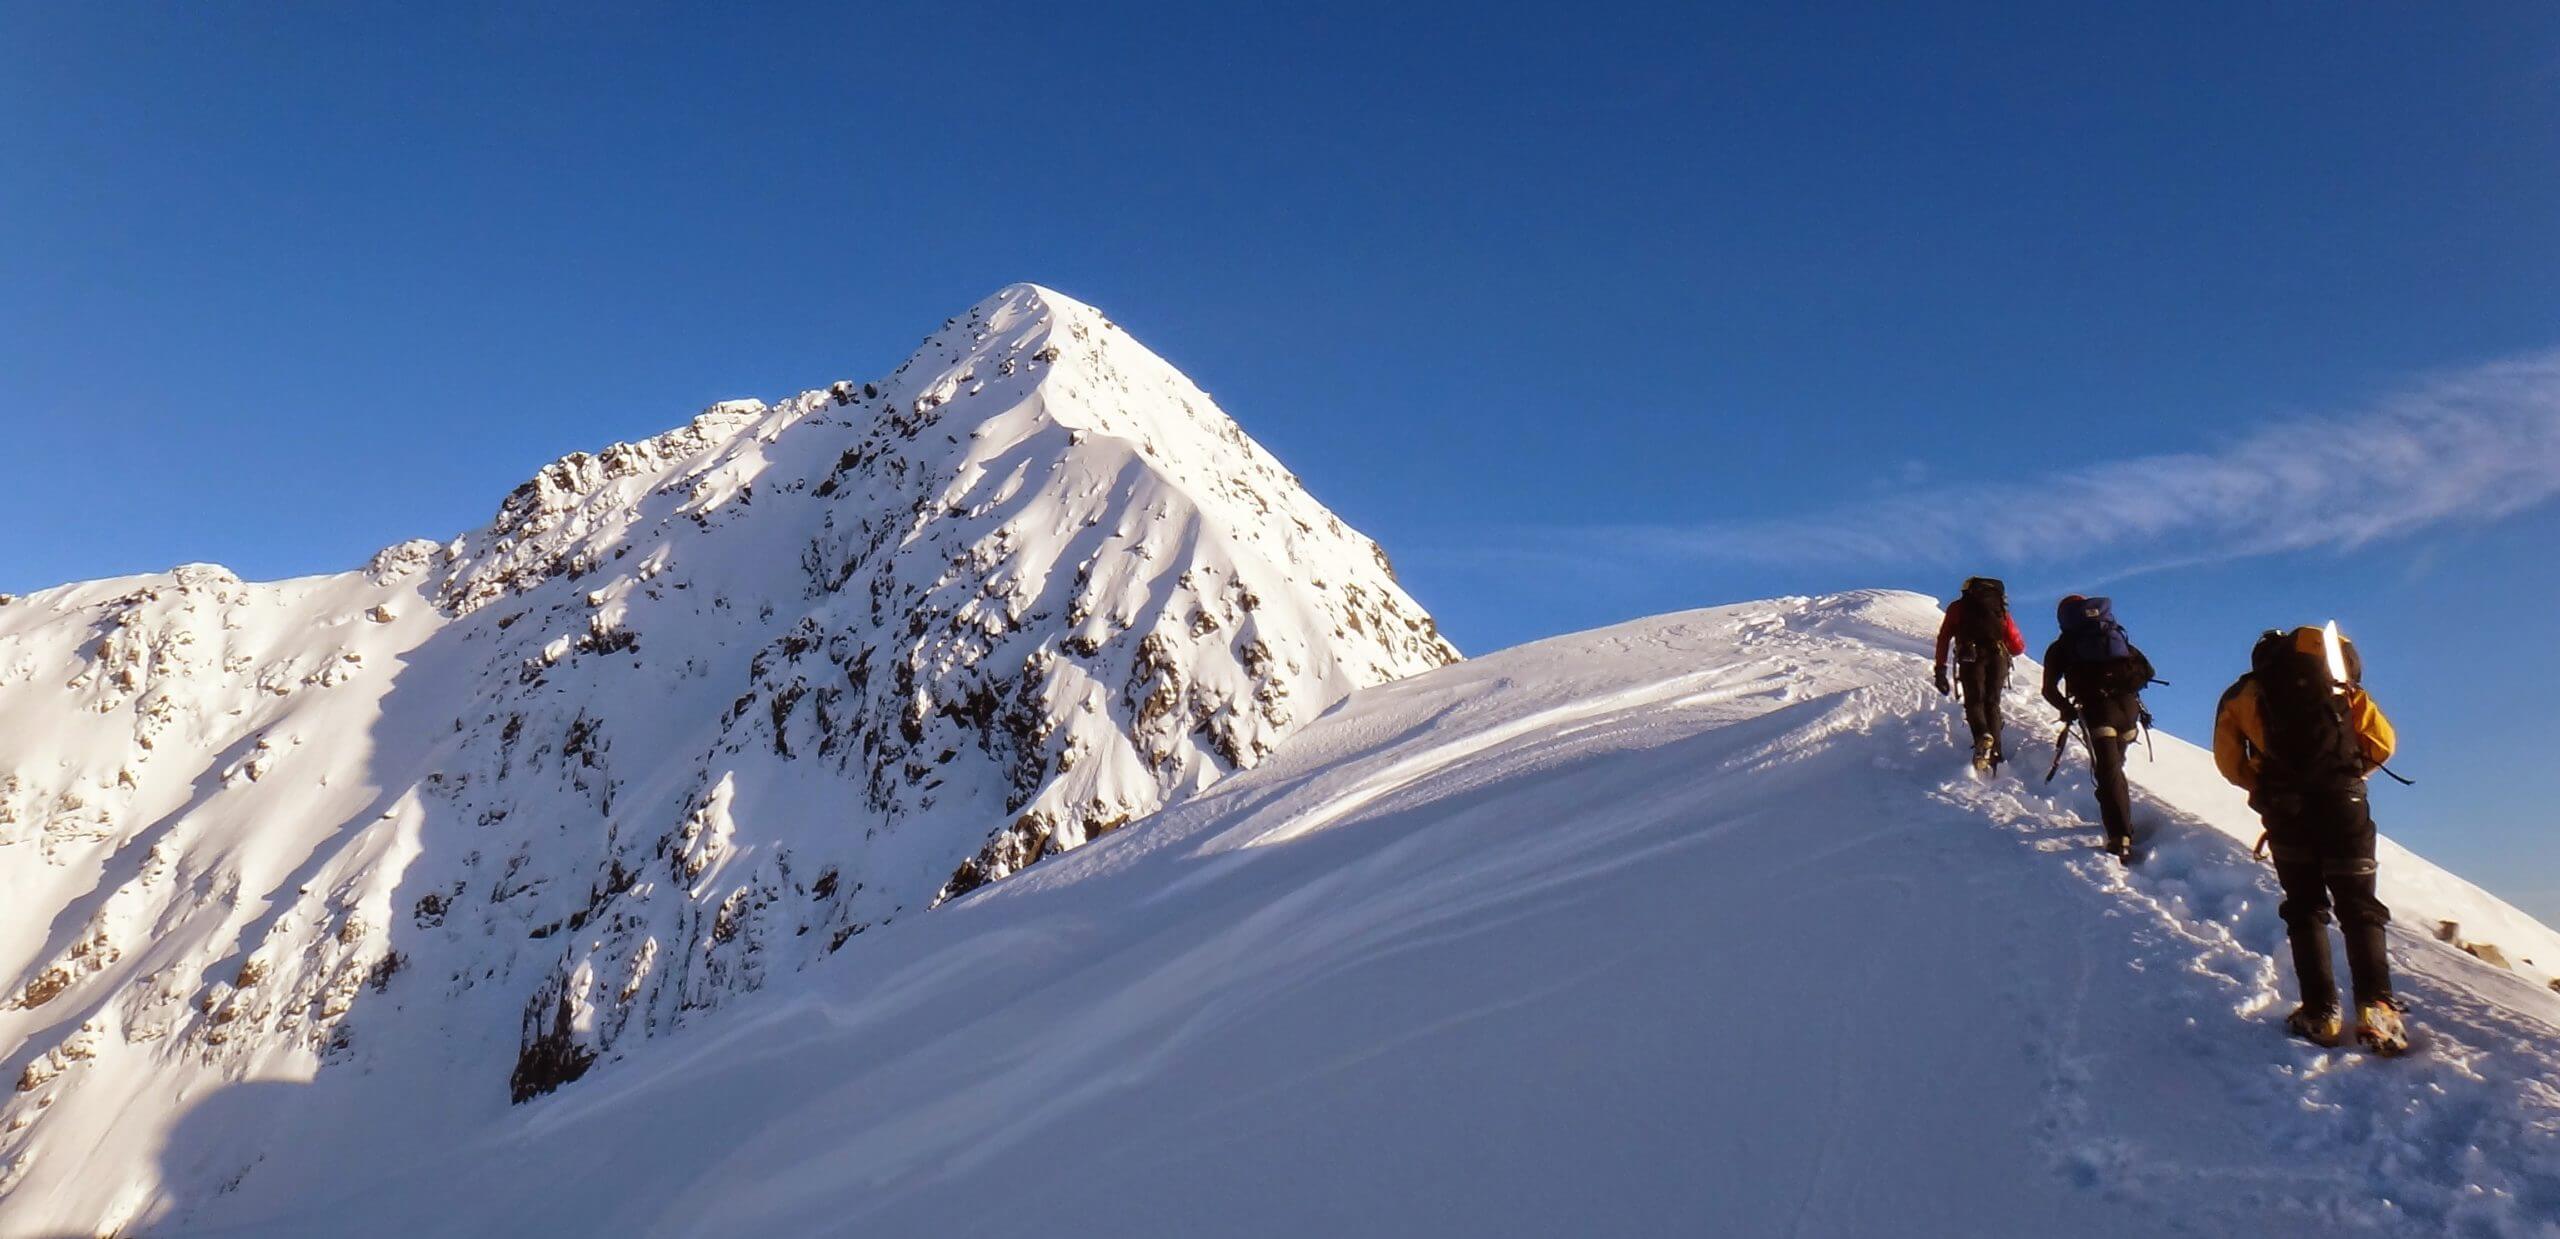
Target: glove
(1941, 681)
(2070, 714)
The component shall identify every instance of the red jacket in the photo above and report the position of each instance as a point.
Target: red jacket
(1954, 623)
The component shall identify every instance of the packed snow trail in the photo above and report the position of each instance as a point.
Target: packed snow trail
(1698, 924)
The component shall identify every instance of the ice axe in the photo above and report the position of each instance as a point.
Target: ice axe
(2061, 745)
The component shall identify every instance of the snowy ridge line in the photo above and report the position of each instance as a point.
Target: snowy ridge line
(1669, 963)
(690, 715)
(1559, 721)
(2208, 898)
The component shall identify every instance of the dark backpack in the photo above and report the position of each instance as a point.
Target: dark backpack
(1983, 629)
(2312, 741)
(2098, 658)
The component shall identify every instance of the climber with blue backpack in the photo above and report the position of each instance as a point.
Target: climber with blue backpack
(2094, 676)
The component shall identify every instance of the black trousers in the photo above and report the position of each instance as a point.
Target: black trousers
(2323, 848)
(2109, 724)
(1981, 682)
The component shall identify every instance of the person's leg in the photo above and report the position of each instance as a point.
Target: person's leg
(2348, 870)
(2305, 912)
(2110, 726)
(1995, 682)
(1981, 701)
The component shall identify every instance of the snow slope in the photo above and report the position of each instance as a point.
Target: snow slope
(1693, 925)
(687, 716)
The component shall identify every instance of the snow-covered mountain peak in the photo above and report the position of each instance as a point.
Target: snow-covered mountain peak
(686, 715)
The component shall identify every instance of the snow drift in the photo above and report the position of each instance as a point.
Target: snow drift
(687, 716)
(1695, 925)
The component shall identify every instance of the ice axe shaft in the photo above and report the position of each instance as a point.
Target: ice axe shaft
(2061, 745)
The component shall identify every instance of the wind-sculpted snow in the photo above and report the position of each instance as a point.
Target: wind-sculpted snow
(1695, 925)
(689, 715)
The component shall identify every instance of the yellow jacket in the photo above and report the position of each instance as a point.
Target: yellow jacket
(2240, 733)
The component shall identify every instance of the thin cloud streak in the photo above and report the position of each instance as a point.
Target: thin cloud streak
(2471, 446)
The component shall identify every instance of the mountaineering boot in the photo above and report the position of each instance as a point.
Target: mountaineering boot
(1986, 754)
(2120, 847)
(2317, 1025)
(2379, 1028)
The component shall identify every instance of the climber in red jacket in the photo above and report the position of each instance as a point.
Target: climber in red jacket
(1985, 637)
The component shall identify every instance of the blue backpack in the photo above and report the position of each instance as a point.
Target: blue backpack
(2091, 635)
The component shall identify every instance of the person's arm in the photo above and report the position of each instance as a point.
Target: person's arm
(2017, 639)
(2053, 683)
(1947, 631)
(2372, 729)
(2235, 739)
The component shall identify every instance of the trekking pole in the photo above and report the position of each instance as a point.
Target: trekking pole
(2403, 780)
(2061, 745)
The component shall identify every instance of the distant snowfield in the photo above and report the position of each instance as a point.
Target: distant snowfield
(1695, 925)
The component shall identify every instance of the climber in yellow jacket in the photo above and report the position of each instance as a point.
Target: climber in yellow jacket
(2299, 734)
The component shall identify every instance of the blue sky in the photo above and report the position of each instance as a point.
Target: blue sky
(1580, 310)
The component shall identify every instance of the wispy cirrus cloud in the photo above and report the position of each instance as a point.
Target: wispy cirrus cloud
(2462, 447)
